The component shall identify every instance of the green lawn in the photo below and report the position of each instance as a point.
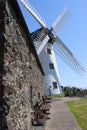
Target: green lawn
(58, 95)
(79, 110)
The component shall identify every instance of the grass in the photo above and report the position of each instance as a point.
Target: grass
(58, 95)
(79, 110)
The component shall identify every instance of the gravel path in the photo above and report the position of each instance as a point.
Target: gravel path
(60, 117)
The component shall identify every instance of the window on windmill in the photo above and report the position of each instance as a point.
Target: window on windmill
(54, 85)
(51, 65)
(48, 51)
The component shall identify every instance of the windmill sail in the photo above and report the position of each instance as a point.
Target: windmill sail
(40, 39)
(67, 56)
(34, 12)
(57, 25)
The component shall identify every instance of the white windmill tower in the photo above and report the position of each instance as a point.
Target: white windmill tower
(46, 43)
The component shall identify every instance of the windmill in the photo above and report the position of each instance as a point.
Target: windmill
(47, 39)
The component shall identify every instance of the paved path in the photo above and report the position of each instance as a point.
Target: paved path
(61, 117)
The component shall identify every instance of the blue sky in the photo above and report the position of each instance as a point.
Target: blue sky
(73, 33)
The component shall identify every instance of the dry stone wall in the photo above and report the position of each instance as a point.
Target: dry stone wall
(21, 76)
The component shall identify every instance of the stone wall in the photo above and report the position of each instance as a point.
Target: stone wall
(21, 76)
(36, 78)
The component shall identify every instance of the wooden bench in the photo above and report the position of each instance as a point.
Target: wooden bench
(47, 99)
(40, 108)
(42, 105)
